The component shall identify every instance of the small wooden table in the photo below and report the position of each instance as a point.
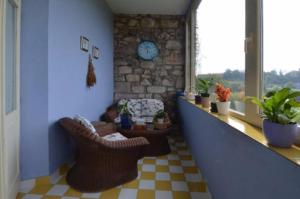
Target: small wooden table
(157, 138)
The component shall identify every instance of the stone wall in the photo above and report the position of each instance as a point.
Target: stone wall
(160, 78)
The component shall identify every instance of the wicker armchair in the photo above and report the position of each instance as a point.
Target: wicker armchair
(101, 164)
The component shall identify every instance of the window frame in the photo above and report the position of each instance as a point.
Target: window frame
(253, 57)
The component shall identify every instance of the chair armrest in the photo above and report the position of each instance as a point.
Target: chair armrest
(131, 143)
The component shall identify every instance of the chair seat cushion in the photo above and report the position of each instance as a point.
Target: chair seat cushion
(85, 122)
(114, 137)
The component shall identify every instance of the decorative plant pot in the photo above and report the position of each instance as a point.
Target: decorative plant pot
(223, 107)
(160, 120)
(205, 101)
(279, 135)
(298, 137)
(213, 108)
(126, 121)
(197, 99)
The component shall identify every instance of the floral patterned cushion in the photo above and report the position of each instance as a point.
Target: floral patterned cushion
(134, 106)
(151, 106)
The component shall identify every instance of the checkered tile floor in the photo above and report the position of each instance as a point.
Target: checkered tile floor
(171, 176)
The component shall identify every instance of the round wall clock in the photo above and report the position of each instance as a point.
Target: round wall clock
(147, 50)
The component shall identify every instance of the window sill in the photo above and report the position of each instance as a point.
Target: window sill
(255, 133)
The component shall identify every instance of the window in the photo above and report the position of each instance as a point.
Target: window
(220, 53)
(281, 44)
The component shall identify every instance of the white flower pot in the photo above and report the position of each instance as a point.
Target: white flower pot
(223, 107)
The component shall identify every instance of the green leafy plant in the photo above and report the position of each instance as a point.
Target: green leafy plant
(203, 85)
(123, 109)
(280, 106)
(160, 114)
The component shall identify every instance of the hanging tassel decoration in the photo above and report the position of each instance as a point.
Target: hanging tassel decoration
(91, 77)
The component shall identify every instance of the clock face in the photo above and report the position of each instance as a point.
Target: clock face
(147, 50)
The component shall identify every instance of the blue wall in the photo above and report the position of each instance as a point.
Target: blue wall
(64, 77)
(234, 165)
(34, 145)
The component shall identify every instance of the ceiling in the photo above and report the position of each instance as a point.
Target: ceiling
(163, 7)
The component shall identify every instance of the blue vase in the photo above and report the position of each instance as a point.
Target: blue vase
(280, 135)
(125, 121)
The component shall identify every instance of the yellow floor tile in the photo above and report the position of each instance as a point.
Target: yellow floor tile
(146, 194)
(51, 197)
(160, 168)
(181, 195)
(41, 189)
(133, 184)
(162, 157)
(43, 181)
(72, 193)
(149, 161)
(175, 162)
(63, 169)
(139, 167)
(177, 176)
(148, 175)
(163, 185)
(190, 169)
(110, 194)
(197, 186)
(20, 195)
(186, 157)
(62, 180)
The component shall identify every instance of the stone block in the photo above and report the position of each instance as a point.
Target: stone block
(169, 23)
(133, 23)
(132, 78)
(145, 82)
(119, 96)
(177, 72)
(173, 45)
(175, 58)
(138, 89)
(156, 89)
(148, 23)
(147, 65)
(167, 82)
(122, 87)
(125, 70)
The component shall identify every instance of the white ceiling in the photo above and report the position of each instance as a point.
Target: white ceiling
(163, 7)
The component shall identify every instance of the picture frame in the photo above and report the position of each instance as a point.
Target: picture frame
(84, 43)
(96, 52)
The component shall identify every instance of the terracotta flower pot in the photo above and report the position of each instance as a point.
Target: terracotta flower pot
(223, 107)
(205, 101)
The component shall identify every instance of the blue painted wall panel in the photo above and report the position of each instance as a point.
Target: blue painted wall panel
(34, 148)
(53, 76)
(234, 165)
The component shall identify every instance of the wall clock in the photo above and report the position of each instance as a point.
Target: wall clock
(147, 50)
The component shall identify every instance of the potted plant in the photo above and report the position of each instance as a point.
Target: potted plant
(125, 116)
(160, 116)
(223, 96)
(203, 87)
(281, 112)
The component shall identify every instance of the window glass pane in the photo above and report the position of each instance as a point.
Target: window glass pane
(10, 64)
(220, 34)
(281, 44)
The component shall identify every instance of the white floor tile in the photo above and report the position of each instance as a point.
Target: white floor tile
(162, 176)
(175, 169)
(163, 195)
(199, 195)
(179, 186)
(91, 195)
(148, 167)
(128, 193)
(173, 157)
(26, 186)
(147, 184)
(162, 162)
(187, 163)
(32, 196)
(184, 152)
(192, 177)
(58, 190)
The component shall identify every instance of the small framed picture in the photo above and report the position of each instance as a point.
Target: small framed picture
(84, 43)
(96, 52)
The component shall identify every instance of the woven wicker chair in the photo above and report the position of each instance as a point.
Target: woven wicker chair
(101, 164)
